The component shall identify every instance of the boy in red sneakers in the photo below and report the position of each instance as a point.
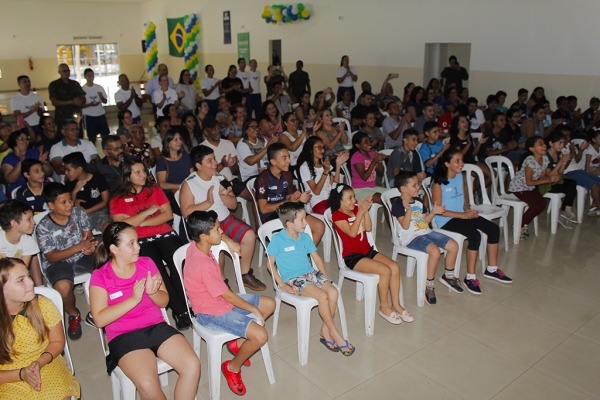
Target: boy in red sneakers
(216, 307)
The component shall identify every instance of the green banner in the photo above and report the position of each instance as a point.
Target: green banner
(243, 42)
(177, 35)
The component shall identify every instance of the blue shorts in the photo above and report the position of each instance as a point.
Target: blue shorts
(420, 243)
(584, 178)
(235, 321)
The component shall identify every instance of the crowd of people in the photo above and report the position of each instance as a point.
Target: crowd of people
(211, 149)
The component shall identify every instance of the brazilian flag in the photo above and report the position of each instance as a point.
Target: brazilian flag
(176, 36)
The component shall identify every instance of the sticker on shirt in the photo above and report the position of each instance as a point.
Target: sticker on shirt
(448, 189)
(351, 219)
(116, 295)
(288, 249)
(128, 199)
(30, 198)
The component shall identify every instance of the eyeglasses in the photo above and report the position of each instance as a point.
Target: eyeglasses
(252, 126)
(23, 139)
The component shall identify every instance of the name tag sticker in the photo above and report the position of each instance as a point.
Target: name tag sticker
(448, 189)
(56, 233)
(116, 295)
(128, 199)
(30, 198)
(288, 249)
(351, 219)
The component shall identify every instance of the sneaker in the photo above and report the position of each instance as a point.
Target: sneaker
(498, 275)
(234, 379)
(182, 321)
(89, 321)
(252, 282)
(473, 286)
(524, 233)
(593, 212)
(452, 283)
(570, 216)
(430, 295)
(74, 329)
(564, 222)
(233, 348)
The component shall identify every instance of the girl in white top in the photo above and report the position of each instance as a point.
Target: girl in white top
(164, 96)
(346, 76)
(251, 150)
(186, 85)
(591, 155)
(290, 137)
(317, 173)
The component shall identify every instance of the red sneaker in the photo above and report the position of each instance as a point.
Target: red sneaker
(233, 348)
(234, 379)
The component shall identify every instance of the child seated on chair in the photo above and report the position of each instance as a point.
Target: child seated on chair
(16, 223)
(216, 307)
(31, 192)
(67, 247)
(126, 297)
(416, 234)
(89, 191)
(432, 148)
(289, 249)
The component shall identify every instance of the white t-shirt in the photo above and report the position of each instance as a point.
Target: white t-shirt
(157, 97)
(347, 82)
(243, 152)
(153, 85)
(206, 83)
(61, 149)
(477, 121)
(573, 165)
(305, 176)
(255, 79)
(123, 95)
(199, 188)
(91, 94)
(595, 157)
(294, 154)
(190, 95)
(25, 104)
(225, 148)
(27, 246)
(245, 77)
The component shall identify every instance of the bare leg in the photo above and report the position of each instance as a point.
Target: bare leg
(432, 262)
(472, 260)
(322, 297)
(451, 254)
(492, 253)
(385, 274)
(596, 195)
(177, 352)
(266, 306)
(247, 245)
(140, 366)
(65, 288)
(394, 280)
(256, 337)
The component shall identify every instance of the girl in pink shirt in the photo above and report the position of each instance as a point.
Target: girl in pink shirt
(126, 297)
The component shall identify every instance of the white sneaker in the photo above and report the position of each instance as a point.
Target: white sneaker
(564, 222)
(593, 212)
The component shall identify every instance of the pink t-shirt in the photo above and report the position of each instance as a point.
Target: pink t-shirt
(204, 284)
(145, 314)
(357, 181)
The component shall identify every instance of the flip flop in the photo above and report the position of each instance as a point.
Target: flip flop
(349, 351)
(331, 346)
(393, 318)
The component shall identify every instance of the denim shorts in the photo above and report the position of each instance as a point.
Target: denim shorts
(313, 277)
(420, 243)
(235, 321)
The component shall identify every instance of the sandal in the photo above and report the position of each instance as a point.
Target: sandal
(394, 318)
(406, 316)
(350, 349)
(331, 346)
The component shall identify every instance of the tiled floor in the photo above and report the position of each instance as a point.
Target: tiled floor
(538, 338)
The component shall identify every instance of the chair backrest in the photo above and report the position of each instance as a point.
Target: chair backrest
(56, 298)
(446, 140)
(347, 123)
(476, 135)
(265, 234)
(426, 184)
(38, 217)
(469, 170)
(346, 172)
(386, 152)
(386, 199)
(496, 164)
(250, 187)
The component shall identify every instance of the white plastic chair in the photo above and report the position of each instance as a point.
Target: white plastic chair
(348, 130)
(413, 256)
(303, 305)
(476, 135)
(78, 279)
(486, 209)
(216, 339)
(244, 205)
(502, 198)
(122, 387)
(582, 192)
(366, 284)
(250, 187)
(387, 152)
(374, 207)
(554, 209)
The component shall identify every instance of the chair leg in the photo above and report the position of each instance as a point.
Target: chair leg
(163, 379)
(517, 221)
(535, 226)
(327, 245)
(303, 328)
(505, 231)
(197, 342)
(128, 389)
(342, 314)
(360, 291)
(581, 194)
(214, 368)
(266, 353)
(421, 280)
(554, 208)
(116, 387)
(410, 266)
(370, 304)
(276, 315)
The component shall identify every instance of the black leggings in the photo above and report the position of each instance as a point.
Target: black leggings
(569, 188)
(161, 252)
(471, 227)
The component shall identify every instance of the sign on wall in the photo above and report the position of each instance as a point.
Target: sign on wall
(243, 42)
(226, 27)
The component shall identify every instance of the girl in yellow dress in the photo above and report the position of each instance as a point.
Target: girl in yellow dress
(31, 341)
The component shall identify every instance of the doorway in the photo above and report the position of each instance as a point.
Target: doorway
(436, 58)
(275, 52)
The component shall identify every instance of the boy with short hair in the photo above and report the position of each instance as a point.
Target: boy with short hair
(428, 115)
(16, 221)
(405, 158)
(32, 192)
(289, 249)
(216, 307)
(432, 148)
(67, 246)
(205, 190)
(89, 191)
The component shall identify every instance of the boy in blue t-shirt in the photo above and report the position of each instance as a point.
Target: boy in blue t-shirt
(432, 148)
(289, 249)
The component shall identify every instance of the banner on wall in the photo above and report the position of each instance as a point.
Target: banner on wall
(177, 36)
(243, 42)
(191, 49)
(226, 27)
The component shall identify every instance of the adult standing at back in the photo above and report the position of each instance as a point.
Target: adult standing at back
(211, 87)
(454, 74)
(66, 96)
(346, 76)
(94, 116)
(154, 83)
(254, 97)
(299, 82)
(129, 98)
(27, 105)
(187, 86)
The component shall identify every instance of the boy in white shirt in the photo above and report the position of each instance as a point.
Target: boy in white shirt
(94, 116)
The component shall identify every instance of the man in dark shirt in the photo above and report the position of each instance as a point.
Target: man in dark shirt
(454, 74)
(110, 166)
(360, 111)
(299, 82)
(66, 96)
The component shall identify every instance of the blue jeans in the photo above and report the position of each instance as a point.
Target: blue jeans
(235, 321)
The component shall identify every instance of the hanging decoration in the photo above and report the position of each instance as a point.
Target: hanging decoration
(190, 47)
(151, 49)
(282, 14)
